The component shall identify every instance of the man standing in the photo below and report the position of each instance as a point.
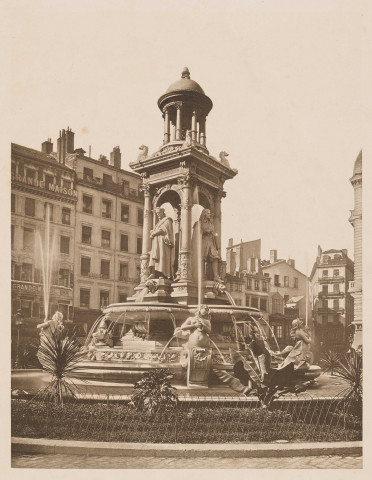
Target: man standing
(162, 248)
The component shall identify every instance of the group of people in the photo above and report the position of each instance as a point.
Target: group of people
(162, 254)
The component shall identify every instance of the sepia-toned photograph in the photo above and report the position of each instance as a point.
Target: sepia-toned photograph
(186, 234)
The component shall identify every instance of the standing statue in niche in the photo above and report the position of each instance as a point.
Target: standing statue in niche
(209, 247)
(162, 248)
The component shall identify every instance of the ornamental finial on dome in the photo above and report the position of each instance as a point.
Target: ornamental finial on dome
(185, 73)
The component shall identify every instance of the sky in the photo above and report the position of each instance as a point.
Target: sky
(284, 78)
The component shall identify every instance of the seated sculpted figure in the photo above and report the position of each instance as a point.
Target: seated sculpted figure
(197, 327)
(162, 248)
(299, 354)
(50, 326)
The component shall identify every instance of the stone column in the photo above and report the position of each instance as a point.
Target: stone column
(179, 121)
(202, 136)
(147, 226)
(166, 126)
(185, 245)
(217, 217)
(194, 131)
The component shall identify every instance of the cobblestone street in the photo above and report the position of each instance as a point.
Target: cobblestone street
(97, 462)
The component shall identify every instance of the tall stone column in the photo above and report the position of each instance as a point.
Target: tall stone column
(217, 217)
(202, 134)
(147, 226)
(185, 244)
(194, 131)
(166, 126)
(179, 121)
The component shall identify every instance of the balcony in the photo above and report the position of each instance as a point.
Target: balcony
(320, 310)
(331, 294)
(334, 279)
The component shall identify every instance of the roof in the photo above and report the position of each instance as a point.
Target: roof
(295, 299)
(358, 165)
(264, 267)
(185, 84)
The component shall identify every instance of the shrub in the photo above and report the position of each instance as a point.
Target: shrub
(153, 392)
(329, 361)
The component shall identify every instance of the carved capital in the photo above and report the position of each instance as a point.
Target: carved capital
(145, 188)
(184, 180)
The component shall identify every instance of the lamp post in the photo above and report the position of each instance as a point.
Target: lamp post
(19, 323)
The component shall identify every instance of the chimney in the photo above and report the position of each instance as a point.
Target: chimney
(103, 159)
(291, 262)
(61, 146)
(257, 265)
(115, 157)
(70, 140)
(231, 242)
(47, 146)
(273, 256)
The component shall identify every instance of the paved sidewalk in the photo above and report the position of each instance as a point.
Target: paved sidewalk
(109, 462)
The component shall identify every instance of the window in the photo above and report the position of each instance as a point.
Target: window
(124, 242)
(249, 283)
(256, 284)
(336, 303)
(13, 203)
(326, 258)
(87, 173)
(139, 244)
(336, 288)
(87, 204)
(124, 213)
(140, 216)
(30, 173)
(85, 266)
(28, 239)
(64, 277)
(105, 268)
(325, 303)
(238, 302)
(63, 308)
(66, 184)
(264, 286)
(277, 305)
(247, 300)
(36, 309)
(106, 208)
(86, 235)
(26, 272)
(106, 179)
(48, 211)
(325, 273)
(324, 288)
(66, 216)
(336, 273)
(278, 331)
(103, 298)
(123, 275)
(123, 297)
(295, 282)
(12, 236)
(286, 298)
(26, 307)
(125, 187)
(286, 281)
(84, 298)
(276, 281)
(105, 238)
(65, 245)
(49, 180)
(13, 168)
(30, 207)
(263, 304)
(254, 302)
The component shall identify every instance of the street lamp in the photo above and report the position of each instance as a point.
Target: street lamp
(19, 323)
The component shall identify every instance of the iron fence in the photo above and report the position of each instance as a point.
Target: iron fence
(193, 419)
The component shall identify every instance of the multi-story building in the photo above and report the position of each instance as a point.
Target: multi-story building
(96, 215)
(41, 187)
(289, 296)
(245, 280)
(332, 304)
(355, 287)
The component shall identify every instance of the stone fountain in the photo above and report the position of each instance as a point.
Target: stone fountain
(180, 316)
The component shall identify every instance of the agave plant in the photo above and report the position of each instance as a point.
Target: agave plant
(59, 355)
(329, 361)
(153, 392)
(350, 369)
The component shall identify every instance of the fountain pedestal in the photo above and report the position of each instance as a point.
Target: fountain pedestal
(199, 366)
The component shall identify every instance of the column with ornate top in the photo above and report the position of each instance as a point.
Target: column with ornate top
(147, 226)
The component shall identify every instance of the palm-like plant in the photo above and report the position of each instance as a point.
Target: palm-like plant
(350, 369)
(330, 361)
(59, 356)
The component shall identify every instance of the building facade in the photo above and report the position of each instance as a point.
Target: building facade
(356, 285)
(92, 242)
(332, 303)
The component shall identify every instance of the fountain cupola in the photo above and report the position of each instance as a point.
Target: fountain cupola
(185, 107)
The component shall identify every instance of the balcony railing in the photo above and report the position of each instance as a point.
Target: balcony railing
(331, 294)
(333, 279)
(112, 187)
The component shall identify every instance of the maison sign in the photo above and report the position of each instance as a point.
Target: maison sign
(71, 192)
